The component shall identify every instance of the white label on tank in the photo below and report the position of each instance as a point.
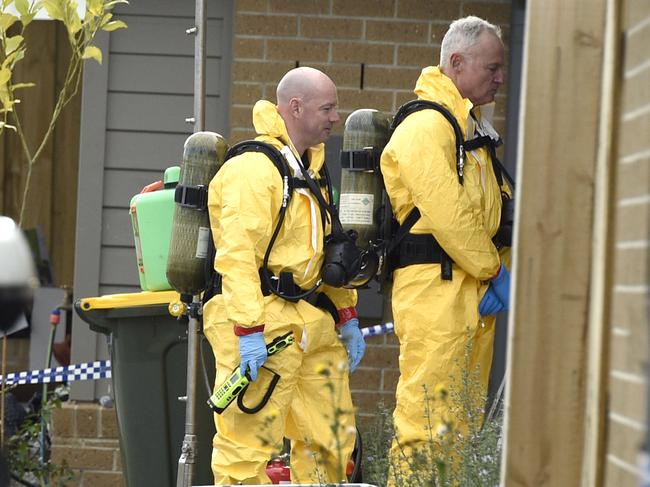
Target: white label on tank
(202, 243)
(356, 208)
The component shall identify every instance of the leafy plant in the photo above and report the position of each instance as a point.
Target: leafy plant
(463, 450)
(376, 445)
(24, 450)
(13, 49)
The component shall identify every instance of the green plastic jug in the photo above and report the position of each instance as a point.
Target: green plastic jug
(151, 216)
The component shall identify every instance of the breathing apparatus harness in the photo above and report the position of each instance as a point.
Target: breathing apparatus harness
(404, 248)
(343, 260)
(283, 285)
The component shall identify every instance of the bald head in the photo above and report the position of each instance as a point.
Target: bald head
(307, 102)
(301, 83)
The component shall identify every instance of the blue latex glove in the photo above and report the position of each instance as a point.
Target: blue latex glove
(354, 343)
(501, 286)
(490, 304)
(252, 351)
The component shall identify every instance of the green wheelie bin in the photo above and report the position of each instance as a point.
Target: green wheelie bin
(149, 373)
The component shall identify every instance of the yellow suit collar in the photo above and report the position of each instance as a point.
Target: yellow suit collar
(271, 128)
(434, 85)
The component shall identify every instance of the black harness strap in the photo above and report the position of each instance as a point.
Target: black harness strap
(409, 245)
(195, 197)
(366, 159)
(269, 151)
(503, 237)
(301, 183)
(284, 285)
(478, 142)
(421, 249)
(415, 106)
(212, 278)
(485, 141)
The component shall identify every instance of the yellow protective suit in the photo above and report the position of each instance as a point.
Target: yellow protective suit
(435, 320)
(244, 203)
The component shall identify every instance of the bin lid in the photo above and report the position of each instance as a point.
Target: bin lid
(129, 300)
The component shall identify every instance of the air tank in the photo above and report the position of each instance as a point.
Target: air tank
(366, 133)
(203, 155)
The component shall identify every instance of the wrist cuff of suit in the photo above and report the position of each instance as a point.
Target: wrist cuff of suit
(497, 274)
(241, 331)
(345, 315)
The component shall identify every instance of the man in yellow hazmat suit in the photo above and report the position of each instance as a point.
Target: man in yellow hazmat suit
(312, 395)
(440, 319)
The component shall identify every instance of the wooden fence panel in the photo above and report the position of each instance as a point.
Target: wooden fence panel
(549, 322)
(51, 202)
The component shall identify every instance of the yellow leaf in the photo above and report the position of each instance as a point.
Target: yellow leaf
(5, 76)
(71, 17)
(54, 9)
(95, 7)
(9, 60)
(6, 21)
(20, 53)
(73, 22)
(105, 19)
(22, 6)
(5, 100)
(114, 25)
(13, 58)
(12, 43)
(92, 52)
(26, 19)
(22, 85)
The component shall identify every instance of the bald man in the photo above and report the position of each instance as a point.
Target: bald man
(311, 403)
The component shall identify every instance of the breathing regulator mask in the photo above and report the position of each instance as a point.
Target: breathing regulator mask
(352, 258)
(346, 265)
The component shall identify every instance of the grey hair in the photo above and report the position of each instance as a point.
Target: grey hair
(463, 34)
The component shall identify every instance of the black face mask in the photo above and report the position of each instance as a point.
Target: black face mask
(346, 265)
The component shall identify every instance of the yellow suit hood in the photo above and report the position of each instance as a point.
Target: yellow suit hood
(271, 129)
(434, 85)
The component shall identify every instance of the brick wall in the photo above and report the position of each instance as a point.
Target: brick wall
(85, 435)
(374, 51)
(629, 339)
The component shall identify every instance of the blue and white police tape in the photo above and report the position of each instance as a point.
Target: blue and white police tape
(100, 369)
(382, 329)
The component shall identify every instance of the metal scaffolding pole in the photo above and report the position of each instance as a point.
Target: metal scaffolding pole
(188, 456)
